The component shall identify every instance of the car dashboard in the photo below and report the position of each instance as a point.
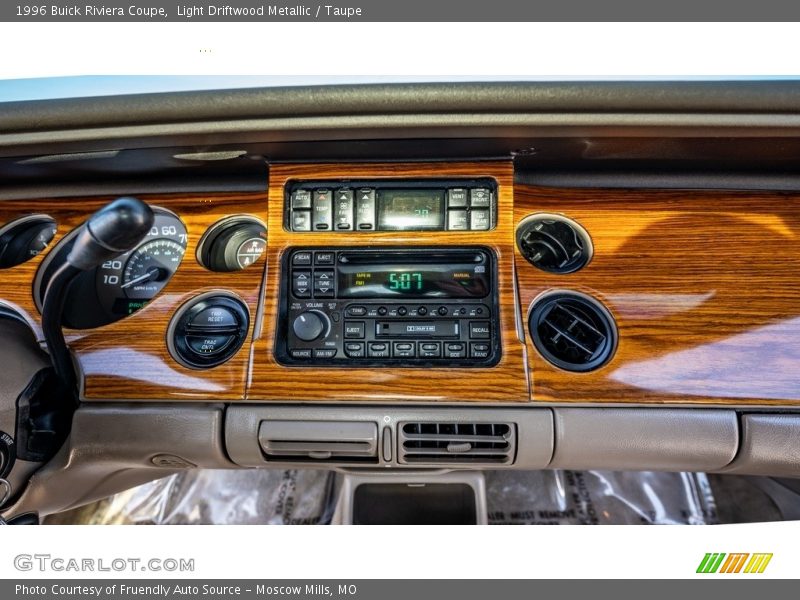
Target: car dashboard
(411, 278)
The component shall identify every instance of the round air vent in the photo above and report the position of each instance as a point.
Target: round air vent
(554, 243)
(572, 331)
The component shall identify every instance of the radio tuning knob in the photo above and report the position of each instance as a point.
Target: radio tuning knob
(311, 325)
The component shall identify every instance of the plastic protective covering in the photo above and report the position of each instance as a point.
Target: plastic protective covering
(308, 497)
(599, 498)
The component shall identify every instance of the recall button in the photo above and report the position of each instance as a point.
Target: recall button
(479, 330)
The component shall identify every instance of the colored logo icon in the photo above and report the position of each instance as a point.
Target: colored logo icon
(742, 562)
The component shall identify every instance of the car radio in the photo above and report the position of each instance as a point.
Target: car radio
(389, 307)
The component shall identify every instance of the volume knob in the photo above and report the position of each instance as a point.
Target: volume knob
(311, 325)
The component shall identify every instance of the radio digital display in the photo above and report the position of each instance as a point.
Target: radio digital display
(413, 209)
(413, 281)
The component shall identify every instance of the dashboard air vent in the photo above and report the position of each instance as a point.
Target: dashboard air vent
(572, 331)
(554, 243)
(457, 443)
(319, 441)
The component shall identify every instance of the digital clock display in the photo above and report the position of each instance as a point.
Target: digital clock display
(410, 209)
(413, 281)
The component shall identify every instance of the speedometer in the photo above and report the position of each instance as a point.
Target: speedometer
(150, 267)
(126, 284)
(120, 286)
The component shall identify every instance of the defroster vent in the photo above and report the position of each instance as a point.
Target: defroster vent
(457, 443)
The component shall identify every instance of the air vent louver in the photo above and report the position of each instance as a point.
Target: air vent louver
(319, 441)
(572, 331)
(554, 243)
(457, 443)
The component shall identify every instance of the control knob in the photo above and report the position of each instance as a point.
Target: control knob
(311, 325)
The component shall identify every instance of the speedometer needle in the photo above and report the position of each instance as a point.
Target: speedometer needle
(152, 274)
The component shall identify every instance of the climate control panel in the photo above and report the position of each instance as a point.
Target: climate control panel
(389, 307)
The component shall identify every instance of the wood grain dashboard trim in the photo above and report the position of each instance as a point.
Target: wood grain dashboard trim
(506, 382)
(704, 287)
(129, 359)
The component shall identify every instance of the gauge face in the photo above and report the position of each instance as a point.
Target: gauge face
(150, 267)
(25, 238)
(127, 283)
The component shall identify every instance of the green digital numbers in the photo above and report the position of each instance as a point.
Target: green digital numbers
(405, 282)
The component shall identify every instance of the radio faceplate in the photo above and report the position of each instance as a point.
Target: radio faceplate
(393, 307)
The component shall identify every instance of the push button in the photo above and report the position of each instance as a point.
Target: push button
(301, 284)
(324, 258)
(356, 311)
(365, 209)
(343, 209)
(354, 330)
(479, 220)
(455, 350)
(430, 349)
(457, 198)
(378, 350)
(322, 211)
(301, 258)
(324, 352)
(480, 198)
(403, 350)
(354, 349)
(214, 316)
(479, 350)
(457, 220)
(208, 345)
(479, 330)
(323, 283)
(301, 199)
(301, 220)
(301, 353)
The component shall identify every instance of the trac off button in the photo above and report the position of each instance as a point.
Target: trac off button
(479, 330)
(208, 345)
